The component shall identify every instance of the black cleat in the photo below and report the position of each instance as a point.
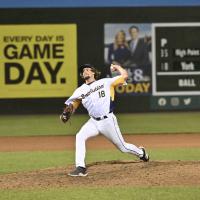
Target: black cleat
(145, 156)
(79, 171)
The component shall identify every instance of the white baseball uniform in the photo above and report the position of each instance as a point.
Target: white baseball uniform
(97, 97)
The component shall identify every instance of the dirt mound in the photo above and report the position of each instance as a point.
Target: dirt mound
(110, 173)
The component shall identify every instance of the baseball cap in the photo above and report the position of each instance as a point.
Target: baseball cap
(85, 66)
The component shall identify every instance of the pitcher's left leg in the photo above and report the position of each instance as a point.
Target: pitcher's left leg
(112, 132)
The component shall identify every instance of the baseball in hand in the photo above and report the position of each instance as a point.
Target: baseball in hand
(112, 68)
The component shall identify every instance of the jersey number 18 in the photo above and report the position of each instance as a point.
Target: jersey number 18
(101, 93)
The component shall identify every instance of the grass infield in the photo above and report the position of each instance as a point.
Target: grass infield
(122, 193)
(28, 161)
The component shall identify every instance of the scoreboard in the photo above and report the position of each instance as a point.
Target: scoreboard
(175, 59)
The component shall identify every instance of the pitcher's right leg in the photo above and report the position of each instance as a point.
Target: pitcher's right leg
(88, 130)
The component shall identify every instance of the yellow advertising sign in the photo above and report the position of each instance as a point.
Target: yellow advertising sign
(38, 60)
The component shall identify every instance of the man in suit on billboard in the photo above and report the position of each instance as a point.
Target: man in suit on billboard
(139, 50)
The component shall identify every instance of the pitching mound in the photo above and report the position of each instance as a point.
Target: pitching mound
(110, 173)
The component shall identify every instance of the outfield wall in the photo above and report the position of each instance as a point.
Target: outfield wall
(42, 48)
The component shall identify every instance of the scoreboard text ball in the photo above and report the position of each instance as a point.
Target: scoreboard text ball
(176, 59)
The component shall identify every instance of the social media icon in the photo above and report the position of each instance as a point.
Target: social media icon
(162, 101)
(187, 101)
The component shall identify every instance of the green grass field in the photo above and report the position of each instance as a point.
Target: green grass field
(28, 161)
(151, 123)
(84, 193)
(183, 122)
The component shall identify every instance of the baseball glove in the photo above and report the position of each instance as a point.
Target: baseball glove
(65, 116)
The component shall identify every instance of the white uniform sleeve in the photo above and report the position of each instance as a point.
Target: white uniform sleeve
(75, 96)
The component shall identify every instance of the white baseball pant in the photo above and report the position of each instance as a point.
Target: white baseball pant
(110, 129)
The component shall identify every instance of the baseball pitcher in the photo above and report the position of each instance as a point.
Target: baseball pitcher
(97, 97)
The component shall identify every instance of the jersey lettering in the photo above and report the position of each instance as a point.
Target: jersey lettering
(92, 90)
